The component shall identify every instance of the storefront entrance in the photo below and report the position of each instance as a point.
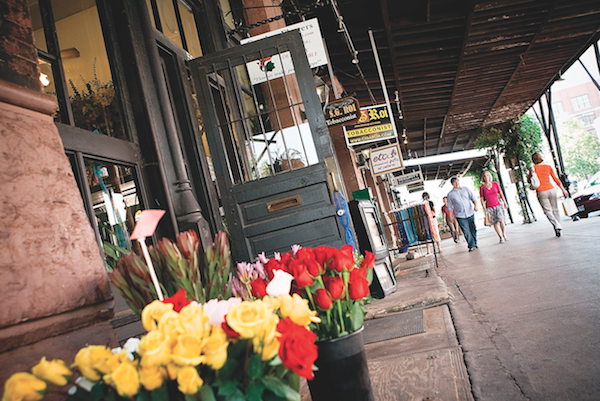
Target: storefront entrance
(269, 146)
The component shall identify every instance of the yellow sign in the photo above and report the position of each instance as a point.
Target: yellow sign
(374, 124)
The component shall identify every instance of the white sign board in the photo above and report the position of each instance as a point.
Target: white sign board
(261, 70)
(386, 159)
(406, 179)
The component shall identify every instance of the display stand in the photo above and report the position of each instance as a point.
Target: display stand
(413, 226)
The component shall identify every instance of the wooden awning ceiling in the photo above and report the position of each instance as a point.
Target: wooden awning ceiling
(458, 66)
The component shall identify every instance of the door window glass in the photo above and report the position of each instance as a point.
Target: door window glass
(115, 201)
(36, 22)
(262, 119)
(189, 29)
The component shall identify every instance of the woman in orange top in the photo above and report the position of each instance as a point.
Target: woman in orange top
(546, 193)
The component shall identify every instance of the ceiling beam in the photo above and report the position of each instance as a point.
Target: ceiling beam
(521, 63)
(390, 40)
(459, 69)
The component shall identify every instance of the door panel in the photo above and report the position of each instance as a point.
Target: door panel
(270, 146)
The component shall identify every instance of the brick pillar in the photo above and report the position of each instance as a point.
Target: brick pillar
(55, 293)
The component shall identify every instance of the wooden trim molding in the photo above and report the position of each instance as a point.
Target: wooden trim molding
(26, 98)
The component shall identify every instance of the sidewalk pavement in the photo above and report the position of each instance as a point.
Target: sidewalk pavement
(426, 366)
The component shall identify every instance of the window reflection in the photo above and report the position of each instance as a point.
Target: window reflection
(115, 201)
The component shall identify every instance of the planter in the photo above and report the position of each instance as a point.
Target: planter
(343, 373)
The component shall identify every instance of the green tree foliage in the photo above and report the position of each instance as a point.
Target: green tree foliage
(517, 139)
(580, 149)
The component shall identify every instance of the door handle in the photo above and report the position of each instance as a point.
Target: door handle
(284, 203)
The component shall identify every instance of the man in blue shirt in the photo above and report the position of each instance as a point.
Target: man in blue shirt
(462, 201)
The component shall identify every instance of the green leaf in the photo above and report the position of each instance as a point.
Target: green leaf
(237, 396)
(280, 389)
(357, 316)
(143, 396)
(292, 380)
(227, 388)
(206, 393)
(228, 370)
(254, 391)
(189, 397)
(160, 394)
(255, 368)
(97, 392)
(275, 361)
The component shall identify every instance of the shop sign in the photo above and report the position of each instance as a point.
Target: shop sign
(386, 159)
(407, 179)
(342, 111)
(416, 187)
(374, 124)
(273, 67)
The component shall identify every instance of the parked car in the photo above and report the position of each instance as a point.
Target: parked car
(588, 199)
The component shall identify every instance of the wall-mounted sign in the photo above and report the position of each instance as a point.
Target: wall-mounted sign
(406, 179)
(386, 159)
(374, 124)
(273, 67)
(416, 187)
(342, 111)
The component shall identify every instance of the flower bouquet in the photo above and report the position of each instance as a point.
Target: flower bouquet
(221, 350)
(334, 281)
(335, 284)
(177, 266)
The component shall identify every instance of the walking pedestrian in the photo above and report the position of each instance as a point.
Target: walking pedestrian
(450, 220)
(435, 235)
(462, 201)
(494, 203)
(546, 193)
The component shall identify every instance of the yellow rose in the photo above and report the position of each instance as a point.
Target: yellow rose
(215, 349)
(188, 380)
(152, 377)
(247, 318)
(23, 387)
(296, 308)
(172, 371)
(170, 324)
(270, 350)
(152, 314)
(271, 303)
(187, 350)
(54, 371)
(154, 349)
(194, 320)
(126, 380)
(93, 361)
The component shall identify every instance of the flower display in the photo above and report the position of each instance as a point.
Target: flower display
(221, 350)
(332, 282)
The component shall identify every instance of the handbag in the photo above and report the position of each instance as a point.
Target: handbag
(569, 207)
(487, 220)
(534, 181)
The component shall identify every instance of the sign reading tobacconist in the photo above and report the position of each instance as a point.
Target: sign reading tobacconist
(342, 111)
(374, 124)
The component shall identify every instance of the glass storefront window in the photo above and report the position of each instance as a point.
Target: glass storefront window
(189, 28)
(168, 21)
(115, 201)
(36, 22)
(48, 82)
(87, 72)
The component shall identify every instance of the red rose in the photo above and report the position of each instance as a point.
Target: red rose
(335, 286)
(305, 253)
(368, 261)
(259, 288)
(314, 268)
(285, 258)
(299, 270)
(272, 265)
(179, 300)
(358, 286)
(297, 348)
(343, 258)
(323, 255)
(228, 330)
(323, 299)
